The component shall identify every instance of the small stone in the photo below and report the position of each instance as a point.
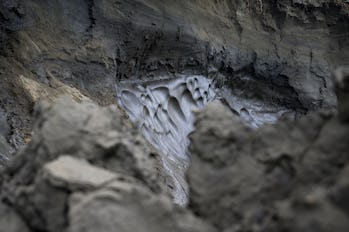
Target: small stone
(67, 171)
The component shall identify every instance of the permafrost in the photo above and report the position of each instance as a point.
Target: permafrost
(163, 111)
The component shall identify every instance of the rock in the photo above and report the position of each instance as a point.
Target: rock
(42, 205)
(238, 176)
(86, 131)
(311, 211)
(86, 170)
(224, 178)
(73, 173)
(129, 207)
(65, 134)
(37, 91)
(10, 221)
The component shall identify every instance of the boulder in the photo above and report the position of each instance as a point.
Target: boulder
(72, 173)
(76, 147)
(243, 179)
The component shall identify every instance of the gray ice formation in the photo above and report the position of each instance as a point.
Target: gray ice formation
(163, 111)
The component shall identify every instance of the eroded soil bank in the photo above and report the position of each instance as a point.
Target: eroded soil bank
(78, 163)
(87, 169)
(276, 53)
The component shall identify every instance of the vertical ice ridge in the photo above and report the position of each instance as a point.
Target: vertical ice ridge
(163, 110)
(166, 107)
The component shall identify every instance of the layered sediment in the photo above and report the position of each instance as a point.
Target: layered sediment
(77, 163)
(273, 54)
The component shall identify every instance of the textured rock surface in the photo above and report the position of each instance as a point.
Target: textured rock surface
(128, 207)
(289, 177)
(86, 169)
(73, 173)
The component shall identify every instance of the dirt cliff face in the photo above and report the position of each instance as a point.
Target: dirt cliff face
(83, 168)
(280, 52)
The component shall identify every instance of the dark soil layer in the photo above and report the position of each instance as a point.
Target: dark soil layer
(282, 52)
(75, 164)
